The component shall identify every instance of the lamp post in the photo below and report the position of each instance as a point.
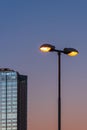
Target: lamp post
(68, 51)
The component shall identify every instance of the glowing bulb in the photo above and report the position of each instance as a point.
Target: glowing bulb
(74, 53)
(70, 51)
(47, 48)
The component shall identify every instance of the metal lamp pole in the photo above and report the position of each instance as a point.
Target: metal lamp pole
(68, 51)
(59, 90)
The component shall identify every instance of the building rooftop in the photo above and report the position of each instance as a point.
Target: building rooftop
(6, 69)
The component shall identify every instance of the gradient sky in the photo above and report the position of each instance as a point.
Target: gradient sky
(24, 26)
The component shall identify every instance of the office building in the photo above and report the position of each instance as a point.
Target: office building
(13, 100)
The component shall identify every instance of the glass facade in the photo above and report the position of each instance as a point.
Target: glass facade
(8, 101)
(13, 100)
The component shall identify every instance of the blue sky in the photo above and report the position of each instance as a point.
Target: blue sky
(24, 26)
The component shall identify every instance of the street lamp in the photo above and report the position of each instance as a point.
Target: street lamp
(68, 51)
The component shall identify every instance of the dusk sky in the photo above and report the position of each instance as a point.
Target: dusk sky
(24, 26)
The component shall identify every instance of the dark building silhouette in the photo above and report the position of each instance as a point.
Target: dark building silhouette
(13, 100)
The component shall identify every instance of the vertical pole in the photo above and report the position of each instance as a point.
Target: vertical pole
(6, 101)
(59, 90)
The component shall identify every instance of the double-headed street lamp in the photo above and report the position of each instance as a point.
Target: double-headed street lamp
(68, 51)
